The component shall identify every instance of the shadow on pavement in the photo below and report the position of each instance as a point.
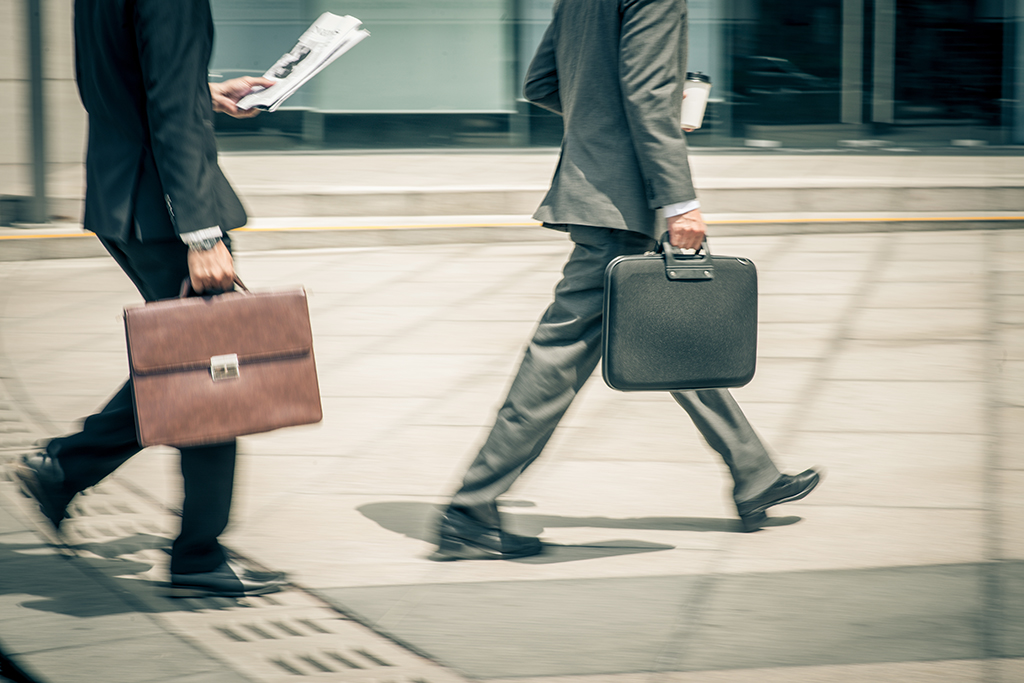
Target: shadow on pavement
(416, 520)
(106, 581)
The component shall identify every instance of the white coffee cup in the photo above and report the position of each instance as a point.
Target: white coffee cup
(696, 89)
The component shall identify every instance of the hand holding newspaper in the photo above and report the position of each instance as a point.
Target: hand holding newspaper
(328, 38)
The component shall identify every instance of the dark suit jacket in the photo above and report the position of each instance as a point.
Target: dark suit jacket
(614, 69)
(152, 158)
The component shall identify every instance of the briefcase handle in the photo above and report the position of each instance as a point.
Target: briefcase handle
(680, 266)
(187, 291)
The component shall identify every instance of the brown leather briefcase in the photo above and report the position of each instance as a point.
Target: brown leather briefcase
(208, 369)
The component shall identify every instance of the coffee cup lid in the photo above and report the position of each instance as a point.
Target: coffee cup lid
(697, 76)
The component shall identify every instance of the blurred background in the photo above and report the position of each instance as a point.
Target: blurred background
(890, 75)
(819, 73)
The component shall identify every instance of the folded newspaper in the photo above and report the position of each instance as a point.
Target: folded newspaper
(328, 38)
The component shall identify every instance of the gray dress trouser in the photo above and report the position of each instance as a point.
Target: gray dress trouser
(562, 355)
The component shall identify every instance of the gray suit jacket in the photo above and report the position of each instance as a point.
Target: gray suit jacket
(614, 70)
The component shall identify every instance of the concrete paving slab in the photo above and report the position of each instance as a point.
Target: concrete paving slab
(473, 404)
(929, 270)
(836, 618)
(1011, 281)
(428, 456)
(404, 375)
(861, 537)
(347, 421)
(626, 496)
(1010, 375)
(944, 295)
(1008, 627)
(911, 672)
(903, 360)
(465, 337)
(1009, 669)
(778, 380)
(368, 321)
(837, 244)
(794, 340)
(517, 307)
(887, 470)
(479, 628)
(935, 246)
(798, 282)
(893, 406)
(1008, 425)
(145, 659)
(57, 619)
(801, 308)
(802, 260)
(1009, 505)
(1009, 309)
(912, 323)
(600, 427)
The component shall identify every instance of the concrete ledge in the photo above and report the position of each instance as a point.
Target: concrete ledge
(881, 198)
(753, 198)
(69, 241)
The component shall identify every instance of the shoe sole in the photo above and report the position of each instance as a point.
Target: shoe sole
(448, 551)
(789, 499)
(173, 591)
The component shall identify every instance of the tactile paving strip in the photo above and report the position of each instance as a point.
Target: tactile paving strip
(15, 433)
(287, 636)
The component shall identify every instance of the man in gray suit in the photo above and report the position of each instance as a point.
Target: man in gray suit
(614, 70)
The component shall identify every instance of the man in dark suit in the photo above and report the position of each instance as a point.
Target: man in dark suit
(161, 206)
(614, 70)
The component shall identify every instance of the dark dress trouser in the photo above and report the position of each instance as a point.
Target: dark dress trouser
(562, 355)
(108, 438)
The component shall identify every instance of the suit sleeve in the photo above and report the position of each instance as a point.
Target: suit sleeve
(541, 86)
(174, 40)
(652, 51)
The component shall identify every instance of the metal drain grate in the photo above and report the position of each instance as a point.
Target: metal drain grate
(286, 636)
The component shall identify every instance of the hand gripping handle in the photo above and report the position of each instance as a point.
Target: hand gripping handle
(187, 291)
(680, 266)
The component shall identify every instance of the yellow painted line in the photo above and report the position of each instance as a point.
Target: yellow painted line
(737, 221)
(876, 219)
(481, 224)
(46, 236)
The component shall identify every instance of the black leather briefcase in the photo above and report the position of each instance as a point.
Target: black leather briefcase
(674, 322)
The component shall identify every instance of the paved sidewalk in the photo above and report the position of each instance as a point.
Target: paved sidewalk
(895, 360)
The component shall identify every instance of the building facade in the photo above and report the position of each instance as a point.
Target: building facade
(817, 73)
(822, 74)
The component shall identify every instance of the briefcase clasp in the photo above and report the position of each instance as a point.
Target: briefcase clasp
(224, 367)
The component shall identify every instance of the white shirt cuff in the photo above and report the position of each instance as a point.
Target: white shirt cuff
(200, 235)
(680, 208)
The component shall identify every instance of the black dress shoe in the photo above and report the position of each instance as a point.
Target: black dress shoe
(42, 479)
(786, 488)
(230, 580)
(460, 537)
